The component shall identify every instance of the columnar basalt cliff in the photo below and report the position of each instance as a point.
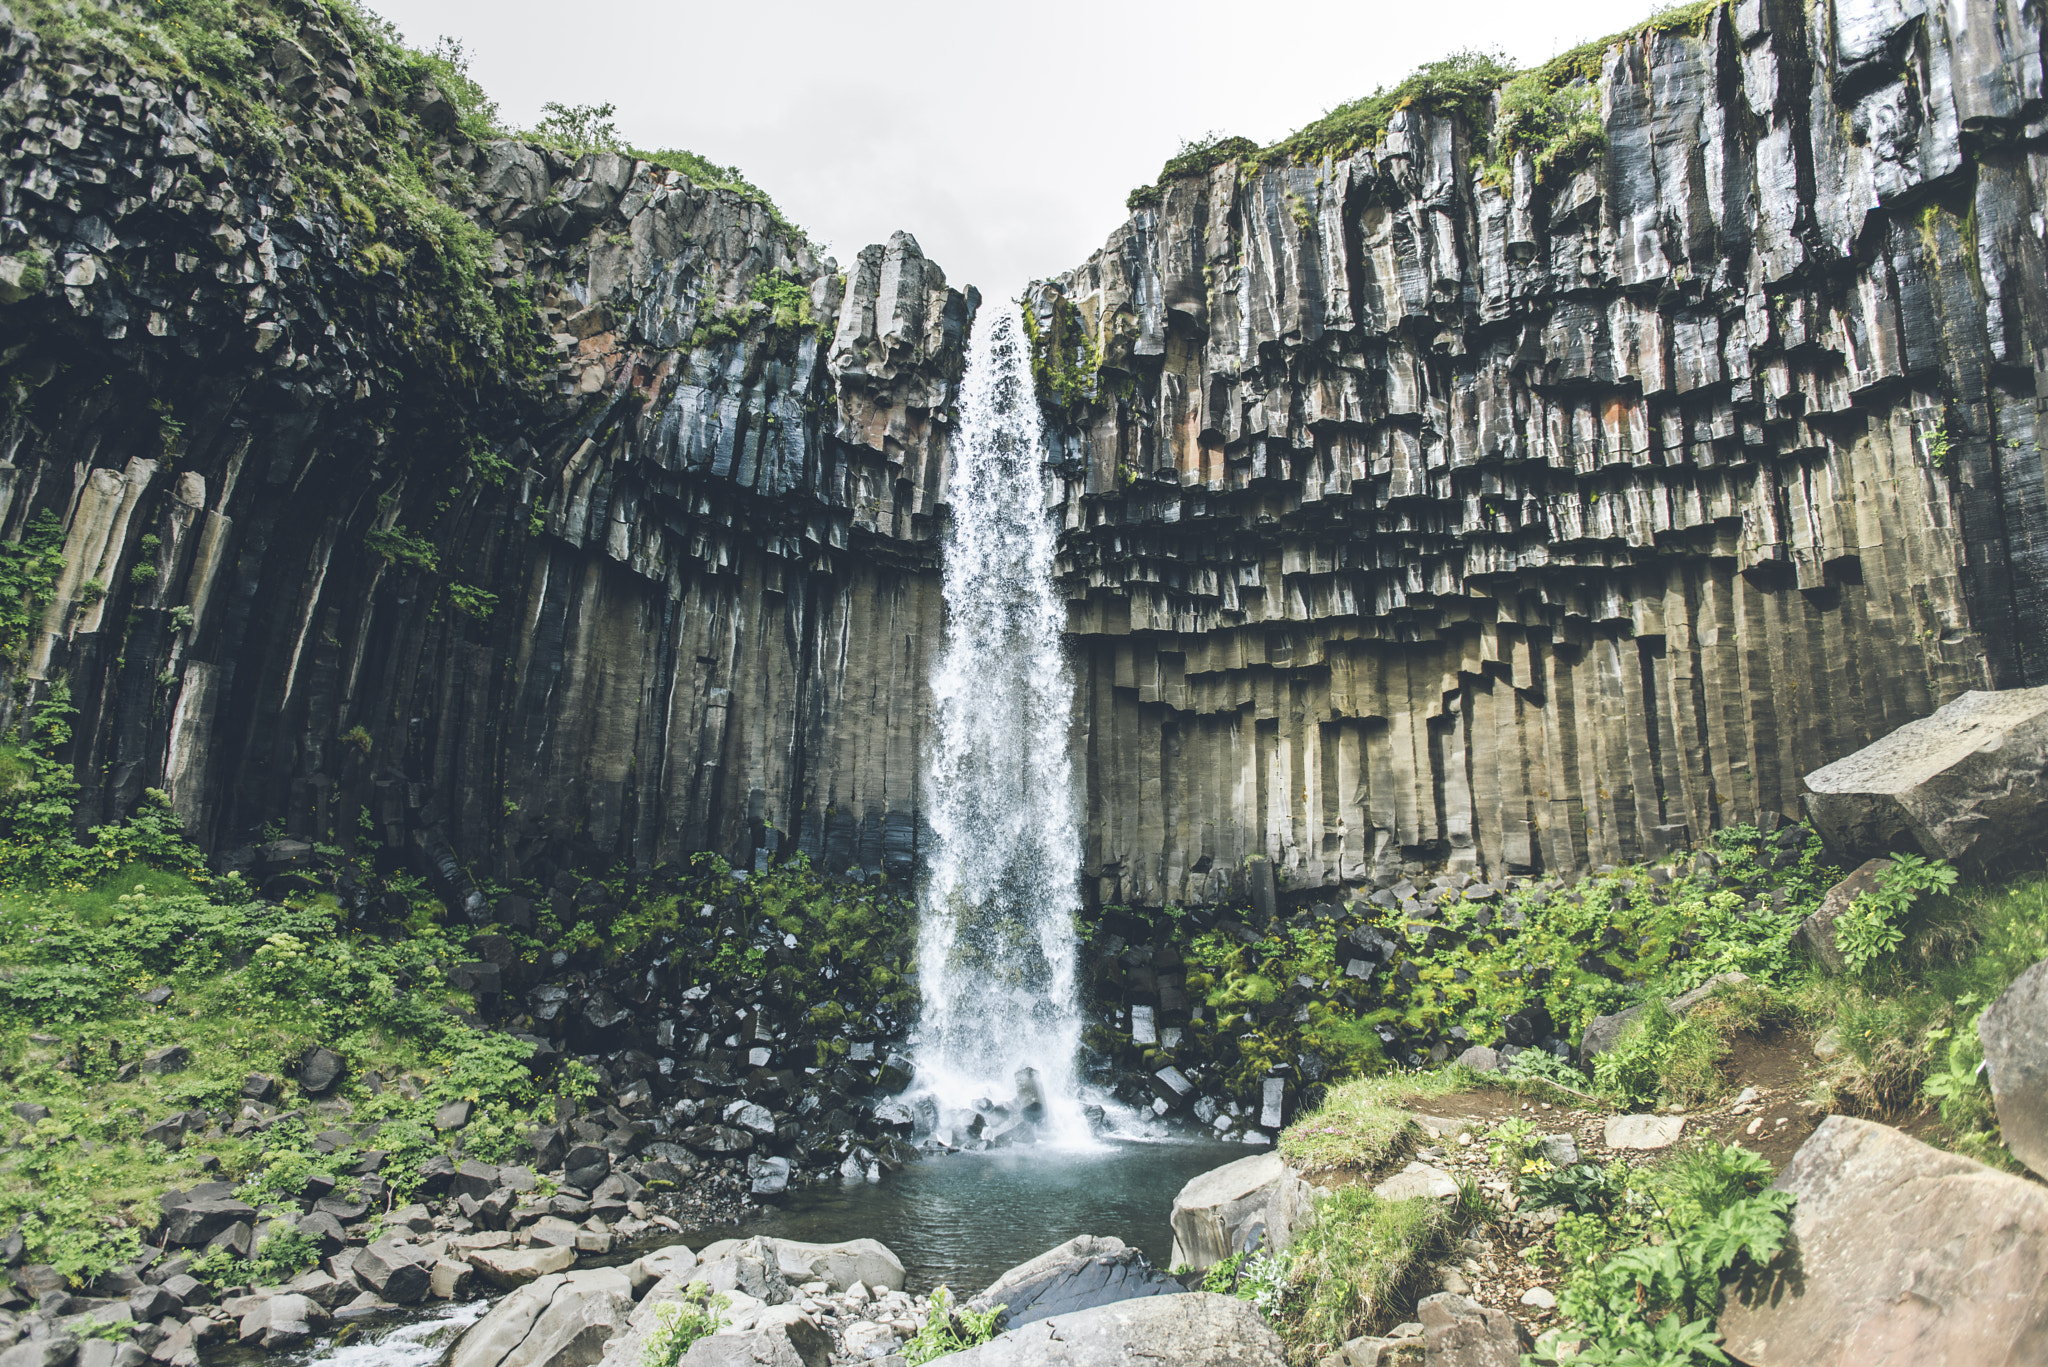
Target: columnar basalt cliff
(552, 510)
(1544, 525)
(655, 575)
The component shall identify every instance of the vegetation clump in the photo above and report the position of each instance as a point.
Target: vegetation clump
(583, 128)
(1196, 157)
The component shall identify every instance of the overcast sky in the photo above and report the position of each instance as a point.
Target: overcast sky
(1004, 137)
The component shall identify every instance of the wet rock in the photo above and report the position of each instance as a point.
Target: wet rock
(1904, 1253)
(2014, 1033)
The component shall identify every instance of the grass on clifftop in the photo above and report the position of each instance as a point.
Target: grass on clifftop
(1550, 111)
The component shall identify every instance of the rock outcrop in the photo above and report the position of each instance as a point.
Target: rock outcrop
(1904, 1254)
(651, 576)
(582, 513)
(1551, 524)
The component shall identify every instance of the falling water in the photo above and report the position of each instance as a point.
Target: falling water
(996, 946)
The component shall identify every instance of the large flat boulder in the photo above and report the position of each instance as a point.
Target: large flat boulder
(1903, 1254)
(1195, 1330)
(1968, 784)
(1228, 1209)
(867, 1261)
(564, 1319)
(2014, 1033)
(1080, 1274)
(781, 1336)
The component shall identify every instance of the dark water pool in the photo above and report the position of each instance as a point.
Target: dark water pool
(964, 1219)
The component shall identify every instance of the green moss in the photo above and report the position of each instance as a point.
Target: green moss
(1559, 126)
(1066, 366)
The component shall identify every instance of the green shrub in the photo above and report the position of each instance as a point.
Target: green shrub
(1874, 924)
(1355, 1265)
(947, 1330)
(1660, 1055)
(1558, 125)
(680, 1323)
(1654, 1303)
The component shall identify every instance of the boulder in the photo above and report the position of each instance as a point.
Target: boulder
(1378, 1352)
(751, 1268)
(319, 1070)
(1198, 1329)
(392, 1273)
(199, 1222)
(564, 1319)
(1480, 1059)
(651, 1268)
(1903, 1254)
(1817, 931)
(1968, 784)
(1080, 1274)
(1462, 1333)
(781, 1337)
(586, 1165)
(1229, 1209)
(1417, 1179)
(281, 1321)
(53, 1351)
(838, 1265)
(2014, 1033)
(513, 1267)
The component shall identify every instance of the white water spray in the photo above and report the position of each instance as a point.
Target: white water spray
(996, 942)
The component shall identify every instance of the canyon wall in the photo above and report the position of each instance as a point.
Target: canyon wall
(1537, 526)
(558, 510)
(658, 578)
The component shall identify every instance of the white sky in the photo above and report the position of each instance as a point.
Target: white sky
(1004, 137)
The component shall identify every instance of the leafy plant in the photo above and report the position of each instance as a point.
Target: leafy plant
(1659, 1055)
(680, 1323)
(1873, 926)
(472, 601)
(395, 545)
(947, 1330)
(1653, 1304)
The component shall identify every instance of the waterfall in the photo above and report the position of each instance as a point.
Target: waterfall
(996, 946)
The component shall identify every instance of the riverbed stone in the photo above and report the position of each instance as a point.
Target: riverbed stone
(751, 1267)
(1901, 1253)
(1199, 1329)
(1078, 1275)
(1231, 1208)
(564, 1319)
(512, 1267)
